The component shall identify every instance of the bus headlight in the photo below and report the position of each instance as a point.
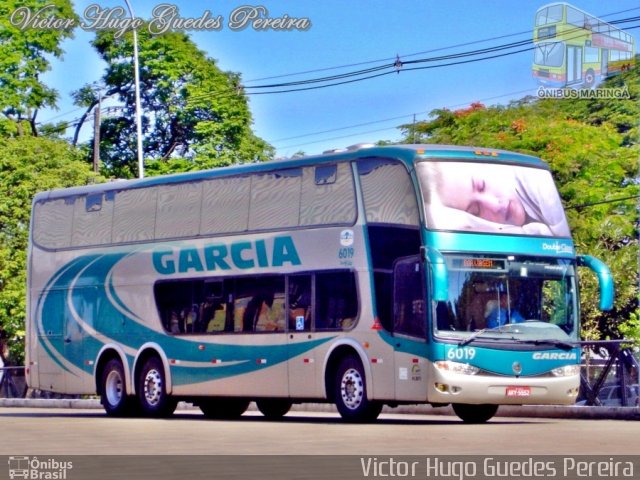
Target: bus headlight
(456, 367)
(566, 371)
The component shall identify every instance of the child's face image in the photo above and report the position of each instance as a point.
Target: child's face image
(485, 191)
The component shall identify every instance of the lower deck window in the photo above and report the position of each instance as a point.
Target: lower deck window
(270, 303)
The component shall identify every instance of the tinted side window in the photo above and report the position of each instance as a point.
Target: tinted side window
(389, 196)
(134, 216)
(336, 301)
(225, 205)
(275, 200)
(53, 222)
(328, 195)
(258, 304)
(178, 210)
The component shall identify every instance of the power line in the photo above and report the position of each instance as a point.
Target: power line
(346, 78)
(390, 59)
(424, 60)
(384, 120)
(603, 202)
(393, 67)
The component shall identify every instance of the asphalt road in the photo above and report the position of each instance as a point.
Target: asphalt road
(32, 431)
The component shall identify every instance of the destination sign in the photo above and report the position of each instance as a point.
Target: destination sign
(474, 263)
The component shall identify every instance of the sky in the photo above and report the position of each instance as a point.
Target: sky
(343, 36)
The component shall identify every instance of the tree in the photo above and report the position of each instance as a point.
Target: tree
(24, 56)
(592, 149)
(27, 165)
(195, 115)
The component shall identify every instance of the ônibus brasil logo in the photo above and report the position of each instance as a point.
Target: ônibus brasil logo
(38, 469)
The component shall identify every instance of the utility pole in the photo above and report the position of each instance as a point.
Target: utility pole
(96, 134)
(414, 129)
(136, 81)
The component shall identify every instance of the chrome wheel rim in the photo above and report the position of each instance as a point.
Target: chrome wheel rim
(153, 387)
(352, 389)
(114, 387)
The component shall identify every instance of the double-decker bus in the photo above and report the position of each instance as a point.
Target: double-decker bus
(417, 274)
(573, 48)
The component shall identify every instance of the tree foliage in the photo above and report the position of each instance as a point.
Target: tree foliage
(24, 57)
(592, 148)
(195, 115)
(27, 165)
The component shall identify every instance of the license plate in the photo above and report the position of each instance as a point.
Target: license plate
(518, 392)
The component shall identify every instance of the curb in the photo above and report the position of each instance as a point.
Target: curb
(533, 411)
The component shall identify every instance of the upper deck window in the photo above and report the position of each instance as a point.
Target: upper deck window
(389, 196)
(547, 15)
(282, 199)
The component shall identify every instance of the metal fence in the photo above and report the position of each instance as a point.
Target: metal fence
(610, 374)
(12, 382)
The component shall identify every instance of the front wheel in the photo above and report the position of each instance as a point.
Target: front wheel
(351, 393)
(152, 393)
(474, 413)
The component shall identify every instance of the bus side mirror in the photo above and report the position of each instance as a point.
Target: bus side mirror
(438, 271)
(605, 279)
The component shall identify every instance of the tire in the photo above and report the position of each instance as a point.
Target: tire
(152, 392)
(351, 393)
(274, 408)
(113, 394)
(224, 408)
(474, 413)
(589, 78)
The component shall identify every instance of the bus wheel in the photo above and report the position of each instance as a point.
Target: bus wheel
(589, 78)
(351, 393)
(154, 400)
(474, 413)
(274, 408)
(224, 408)
(113, 394)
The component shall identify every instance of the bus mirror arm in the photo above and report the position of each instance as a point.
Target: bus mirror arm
(605, 280)
(438, 271)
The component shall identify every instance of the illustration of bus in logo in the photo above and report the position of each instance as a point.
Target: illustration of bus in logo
(18, 467)
(575, 49)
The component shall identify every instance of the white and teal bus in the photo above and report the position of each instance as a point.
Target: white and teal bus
(366, 277)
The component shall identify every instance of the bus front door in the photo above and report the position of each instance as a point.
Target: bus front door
(574, 64)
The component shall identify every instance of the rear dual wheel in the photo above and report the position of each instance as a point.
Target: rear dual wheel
(113, 392)
(152, 390)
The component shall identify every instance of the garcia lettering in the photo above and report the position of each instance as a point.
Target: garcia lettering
(241, 255)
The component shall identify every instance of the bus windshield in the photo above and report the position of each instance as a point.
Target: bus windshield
(527, 299)
(550, 54)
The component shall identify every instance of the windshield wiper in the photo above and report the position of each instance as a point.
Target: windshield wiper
(475, 335)
(548, 341)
